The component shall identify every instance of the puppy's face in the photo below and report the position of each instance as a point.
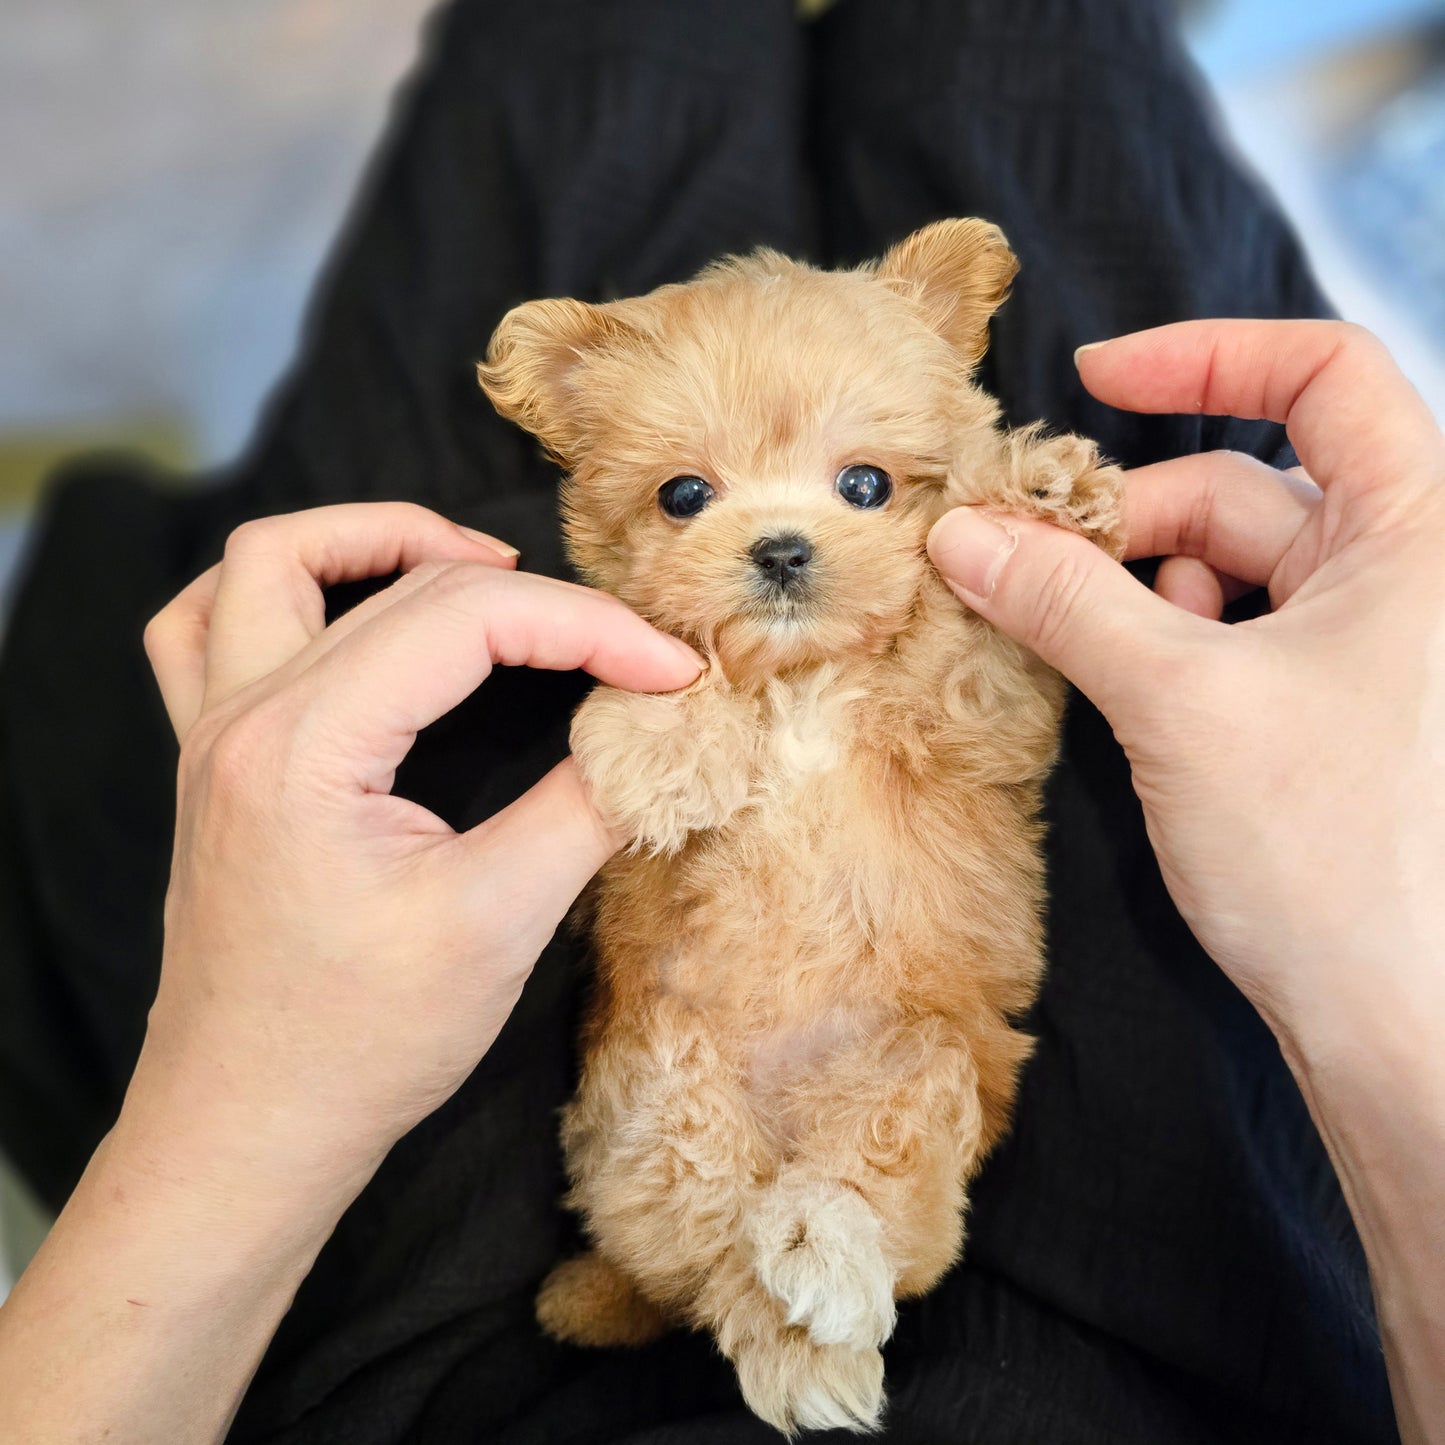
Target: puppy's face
(756, 457)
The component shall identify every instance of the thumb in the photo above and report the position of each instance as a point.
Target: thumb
(536, 856)
(1064, 599)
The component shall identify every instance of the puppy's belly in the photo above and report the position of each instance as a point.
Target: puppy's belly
(791, 959)
(780, 1029)
(780, 1065)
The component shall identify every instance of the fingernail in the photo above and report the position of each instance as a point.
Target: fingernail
(970, 549)
(1090, 346)
(496, 544)
(683, 650)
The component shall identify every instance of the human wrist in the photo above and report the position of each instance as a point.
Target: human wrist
(200, 1135)
(1378, 1100)
(1376, 1086)
(1364, 1022)
(1376, 1091)
(146, 1309)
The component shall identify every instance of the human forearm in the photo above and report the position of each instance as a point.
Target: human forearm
(1377, 1093)
(144, 1314)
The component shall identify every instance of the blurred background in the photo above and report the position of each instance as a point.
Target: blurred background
(174, 172)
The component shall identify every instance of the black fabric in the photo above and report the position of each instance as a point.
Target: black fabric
(1160, 1251)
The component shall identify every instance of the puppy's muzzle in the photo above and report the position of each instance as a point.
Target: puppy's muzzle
(782, 562)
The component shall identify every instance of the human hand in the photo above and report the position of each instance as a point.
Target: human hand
(337, 959)
(1290, 767)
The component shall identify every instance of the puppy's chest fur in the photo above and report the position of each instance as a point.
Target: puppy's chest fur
(785, 880)
(785, 967)
(831, 898)
(809, 729)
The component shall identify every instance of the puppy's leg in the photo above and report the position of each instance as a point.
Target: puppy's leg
(667, 1160)
(663, 1149)
(589, 1301)
(664, 765)
(817, 1246)
(1061, 479)
(787, 1378)
(870, 1207)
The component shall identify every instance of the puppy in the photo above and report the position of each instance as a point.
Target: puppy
(800, 1046)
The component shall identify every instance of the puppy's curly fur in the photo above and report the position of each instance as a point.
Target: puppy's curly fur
(800, 1045)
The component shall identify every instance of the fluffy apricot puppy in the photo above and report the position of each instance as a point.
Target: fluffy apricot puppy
(808, 962)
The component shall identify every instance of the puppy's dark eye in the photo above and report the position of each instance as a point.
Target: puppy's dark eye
(684, 496)
(864, 486)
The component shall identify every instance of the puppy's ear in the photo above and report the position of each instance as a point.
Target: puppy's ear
(959, 273)
(530, 365)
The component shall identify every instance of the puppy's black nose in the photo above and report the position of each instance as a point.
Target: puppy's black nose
(782, 560)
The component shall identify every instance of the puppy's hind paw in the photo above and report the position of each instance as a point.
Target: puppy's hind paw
(818, 1250)
(794, 1384)
(589, 1301)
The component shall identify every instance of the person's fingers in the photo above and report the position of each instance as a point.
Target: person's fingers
(535, 856)
(1195, 586)
(359, 616)
(1226, 508)
(1191, 585)
(269, 602)
(365, 610)
(1351, 414)
(175, 643)
(370, 695)
(1060, 596)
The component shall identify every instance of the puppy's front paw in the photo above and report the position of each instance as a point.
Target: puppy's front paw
(1070, 485)
(663, 766)
(818, 1250)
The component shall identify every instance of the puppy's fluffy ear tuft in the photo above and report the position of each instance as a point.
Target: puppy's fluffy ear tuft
(959, 272)
(528, 373)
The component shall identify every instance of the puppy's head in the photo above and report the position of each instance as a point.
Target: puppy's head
(755, 457)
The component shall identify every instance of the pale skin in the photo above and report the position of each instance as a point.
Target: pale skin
(337, 960)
